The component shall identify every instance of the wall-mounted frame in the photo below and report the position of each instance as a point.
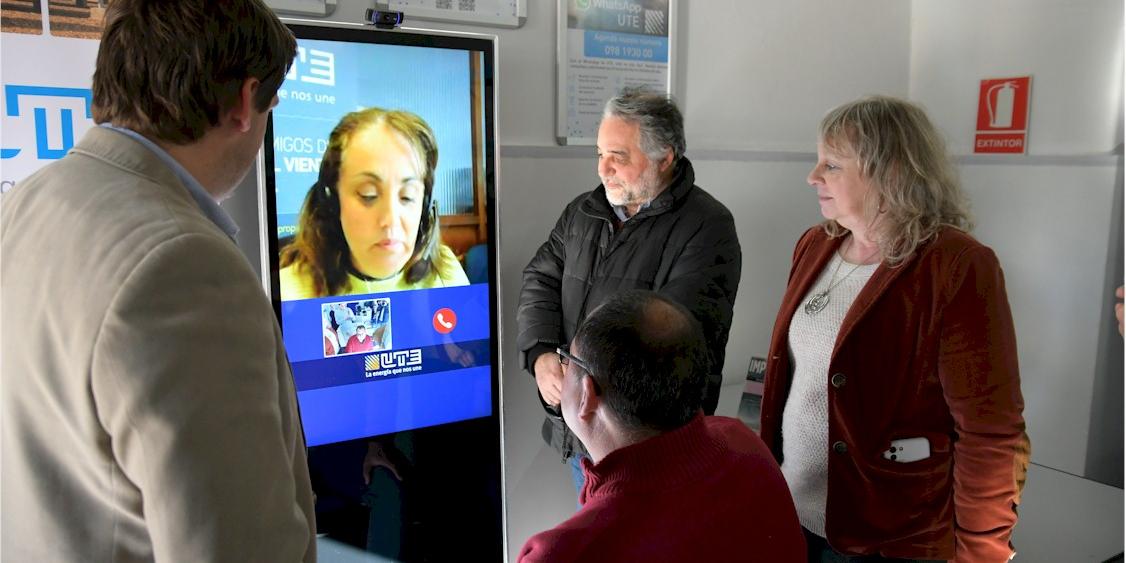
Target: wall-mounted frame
(308, 8)
(602, 47)
(495, 13)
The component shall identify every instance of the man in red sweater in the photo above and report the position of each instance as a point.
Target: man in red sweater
(359, 342)
(663, 482)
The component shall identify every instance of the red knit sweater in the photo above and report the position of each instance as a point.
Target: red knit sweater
(709, 491)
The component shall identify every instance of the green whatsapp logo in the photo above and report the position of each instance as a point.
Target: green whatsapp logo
(582, 4)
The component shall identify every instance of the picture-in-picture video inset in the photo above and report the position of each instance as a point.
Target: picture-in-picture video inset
(378, 156)
(354, 327)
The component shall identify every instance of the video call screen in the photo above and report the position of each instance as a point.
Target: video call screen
(382, 266)
(379, 183)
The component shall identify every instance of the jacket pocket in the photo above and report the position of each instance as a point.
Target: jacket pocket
(937, 465)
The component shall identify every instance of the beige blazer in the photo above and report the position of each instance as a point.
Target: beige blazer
(147, 410)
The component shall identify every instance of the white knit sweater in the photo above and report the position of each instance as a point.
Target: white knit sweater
(805, 420)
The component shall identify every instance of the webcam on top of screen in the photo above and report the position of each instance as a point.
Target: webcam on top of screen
(383, 19)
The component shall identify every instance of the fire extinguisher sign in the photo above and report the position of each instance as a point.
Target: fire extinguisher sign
(1002, 115)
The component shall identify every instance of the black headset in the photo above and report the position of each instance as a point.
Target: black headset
(331, 199)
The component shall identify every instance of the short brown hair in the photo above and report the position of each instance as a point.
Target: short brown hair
(916, 190)
(168, 68)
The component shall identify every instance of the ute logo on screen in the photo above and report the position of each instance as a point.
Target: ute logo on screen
(392, 363)
(316, 66)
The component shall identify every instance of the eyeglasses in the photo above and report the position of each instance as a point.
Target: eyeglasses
(566, 357)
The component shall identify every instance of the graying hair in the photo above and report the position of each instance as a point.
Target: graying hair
(662, 126)
(916, 188)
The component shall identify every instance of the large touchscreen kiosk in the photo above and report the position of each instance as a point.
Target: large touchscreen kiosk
(381, 160)
(379, 186)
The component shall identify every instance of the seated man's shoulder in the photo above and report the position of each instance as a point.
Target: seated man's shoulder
(744, 447)
(574, 540)
(733, 429)
(611, 532)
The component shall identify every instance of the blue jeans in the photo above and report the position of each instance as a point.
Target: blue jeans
(577, 474)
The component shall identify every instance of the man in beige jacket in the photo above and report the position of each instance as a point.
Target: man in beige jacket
(147, 410)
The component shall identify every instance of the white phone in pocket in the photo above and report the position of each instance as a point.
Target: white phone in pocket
(908, 450)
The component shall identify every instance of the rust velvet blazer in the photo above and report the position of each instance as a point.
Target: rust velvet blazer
(927, 349)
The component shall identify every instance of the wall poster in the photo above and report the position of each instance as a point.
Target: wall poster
(45, 97)
(499, 13)
(602, 47)
(1002, 115)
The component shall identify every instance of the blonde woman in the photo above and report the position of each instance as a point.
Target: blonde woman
(893, 398)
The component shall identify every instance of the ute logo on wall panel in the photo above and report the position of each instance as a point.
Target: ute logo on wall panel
(45, 97)
(1002, 115)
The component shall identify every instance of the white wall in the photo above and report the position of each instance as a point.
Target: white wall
(1047, 214)
(760, 75)
(1048, 225)
(1073, 50)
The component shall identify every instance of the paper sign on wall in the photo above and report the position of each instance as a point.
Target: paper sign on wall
(750, 406)
(602, 47)
(45, 96)
(1002, 115)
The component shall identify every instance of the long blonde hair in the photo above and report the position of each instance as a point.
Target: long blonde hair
(915, 189)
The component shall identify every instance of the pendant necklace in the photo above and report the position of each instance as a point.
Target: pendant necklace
(820, 300)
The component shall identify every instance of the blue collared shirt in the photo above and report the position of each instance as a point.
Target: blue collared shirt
(620, 210)
(206, 203)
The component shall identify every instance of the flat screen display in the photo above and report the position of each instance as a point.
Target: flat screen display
(379, 351)
(379, 172)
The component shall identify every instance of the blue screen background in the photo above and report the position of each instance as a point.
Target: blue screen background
(430, 82)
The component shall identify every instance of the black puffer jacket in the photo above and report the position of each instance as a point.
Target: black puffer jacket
(683, 245)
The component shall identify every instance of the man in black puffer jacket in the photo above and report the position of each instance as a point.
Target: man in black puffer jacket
(647, 226)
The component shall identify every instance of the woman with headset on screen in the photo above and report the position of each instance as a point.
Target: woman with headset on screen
(370, 224)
